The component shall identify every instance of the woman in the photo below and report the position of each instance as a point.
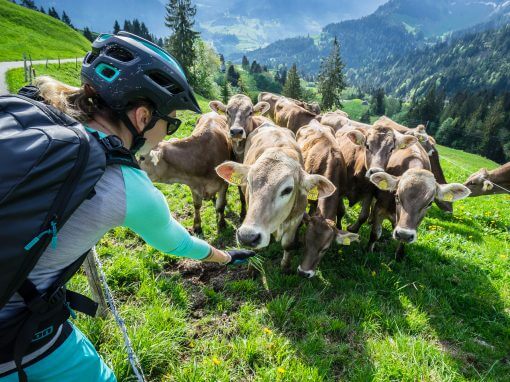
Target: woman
(130, 89)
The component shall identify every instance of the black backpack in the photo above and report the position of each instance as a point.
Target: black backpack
(49, 165)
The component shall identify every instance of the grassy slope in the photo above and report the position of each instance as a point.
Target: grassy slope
(441, 315)
(36, 34)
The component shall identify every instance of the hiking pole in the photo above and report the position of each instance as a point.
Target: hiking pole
(133, 359)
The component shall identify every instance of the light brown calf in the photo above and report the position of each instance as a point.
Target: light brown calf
(192, 161)
(290, 115)
(429, 144)
(366, 152)
(322, 156)
(484, 182)
(339, 119)
(407, 190)
(272, 99)
(276, 188)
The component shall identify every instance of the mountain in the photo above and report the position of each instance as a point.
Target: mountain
(232, 26)
(395, 29)
(473, 62)
(40, 36)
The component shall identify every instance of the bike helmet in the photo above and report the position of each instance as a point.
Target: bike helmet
(124, 67)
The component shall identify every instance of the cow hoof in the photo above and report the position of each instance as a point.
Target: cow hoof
(222, 224)
(197, 230)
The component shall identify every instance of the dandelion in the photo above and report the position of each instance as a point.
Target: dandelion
(280, 370)
(192, 344)
(268, 331)
(373, 273)
(216, 361)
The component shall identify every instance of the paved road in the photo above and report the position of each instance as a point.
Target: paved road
(5, 66)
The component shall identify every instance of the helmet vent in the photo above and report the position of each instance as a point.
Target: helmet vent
(91, 56)
(165, 82)
(119, 53)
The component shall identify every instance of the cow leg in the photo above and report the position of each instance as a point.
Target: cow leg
(363, 215)
(400, 252)
(340, 212)
(243, 203)
(197, 203)
(375, 233)
(288, 240)
(221, 202)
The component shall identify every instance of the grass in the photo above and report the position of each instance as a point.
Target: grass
(441, 315)
(354, 108)
(37, 35)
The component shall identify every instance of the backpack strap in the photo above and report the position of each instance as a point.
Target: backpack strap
(115, 152)
(47, 311)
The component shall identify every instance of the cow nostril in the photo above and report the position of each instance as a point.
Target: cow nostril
(250, 239)
(404, 236)
(236, 132)
(305, 274)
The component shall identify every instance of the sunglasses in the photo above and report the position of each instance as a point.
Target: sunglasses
(172, 124)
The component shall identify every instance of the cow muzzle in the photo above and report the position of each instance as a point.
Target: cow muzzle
(237, 133)
(305, 274)
(251, 237)
(405, 235)
(373, 171)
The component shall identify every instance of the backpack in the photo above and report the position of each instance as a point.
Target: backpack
(49, 165)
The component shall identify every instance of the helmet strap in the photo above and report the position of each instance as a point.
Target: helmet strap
(138, 139)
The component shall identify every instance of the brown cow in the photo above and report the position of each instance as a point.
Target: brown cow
(272, 98)
(429, 144)
(192, 161)
(485, 182)
(366, 152)
(339, 119)
(292, 116)
(407, 190)
(322, 156)
(276, 188)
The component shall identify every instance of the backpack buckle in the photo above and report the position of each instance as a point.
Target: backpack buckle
(111, 143)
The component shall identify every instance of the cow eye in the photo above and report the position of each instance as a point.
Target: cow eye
(397, 199)
(287, 190)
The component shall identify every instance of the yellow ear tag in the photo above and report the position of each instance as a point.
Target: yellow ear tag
(313, 194)
(383, 185)
(236, 179)
(346, 241)
(421, 138)
(448, 197)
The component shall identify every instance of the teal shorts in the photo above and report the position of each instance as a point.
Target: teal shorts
(75, 360)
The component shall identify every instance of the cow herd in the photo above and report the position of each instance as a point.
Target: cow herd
(298, 166)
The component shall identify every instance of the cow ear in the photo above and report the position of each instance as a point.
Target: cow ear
(261, 108)
(318, 187)
(403, 141)
(233, 172)
(345, 237)
(385, 181)
(156, 156)
(218, 107)
(357, 137)
(451, 192)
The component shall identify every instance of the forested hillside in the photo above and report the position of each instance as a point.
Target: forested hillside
(470, 63)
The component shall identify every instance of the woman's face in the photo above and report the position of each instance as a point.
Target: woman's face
(155, 135)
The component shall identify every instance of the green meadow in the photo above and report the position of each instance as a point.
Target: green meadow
(443, 314)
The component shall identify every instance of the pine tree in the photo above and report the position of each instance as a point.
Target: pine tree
(116, 27)
(246, 63)
(66, 19)
(29, 4)
(41, 9)
(377, 102)
(88, 34)
(128, 27)
(180, 18)
(137, 28)
(225, 91)
(365, 117)
(53, 13)
(292, 86)
(331, 78)
(232, 76)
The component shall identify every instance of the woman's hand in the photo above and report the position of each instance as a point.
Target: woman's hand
(232, 257)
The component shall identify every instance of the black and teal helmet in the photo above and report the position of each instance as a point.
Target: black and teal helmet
(125, 67)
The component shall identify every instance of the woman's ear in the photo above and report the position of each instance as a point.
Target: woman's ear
(142, 116)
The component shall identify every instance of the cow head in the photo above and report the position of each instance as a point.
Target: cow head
(153, 163)
(320, 233)
(380, 142)
(479, 184)
(239, 112)
(415, 192)
(276, 193)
